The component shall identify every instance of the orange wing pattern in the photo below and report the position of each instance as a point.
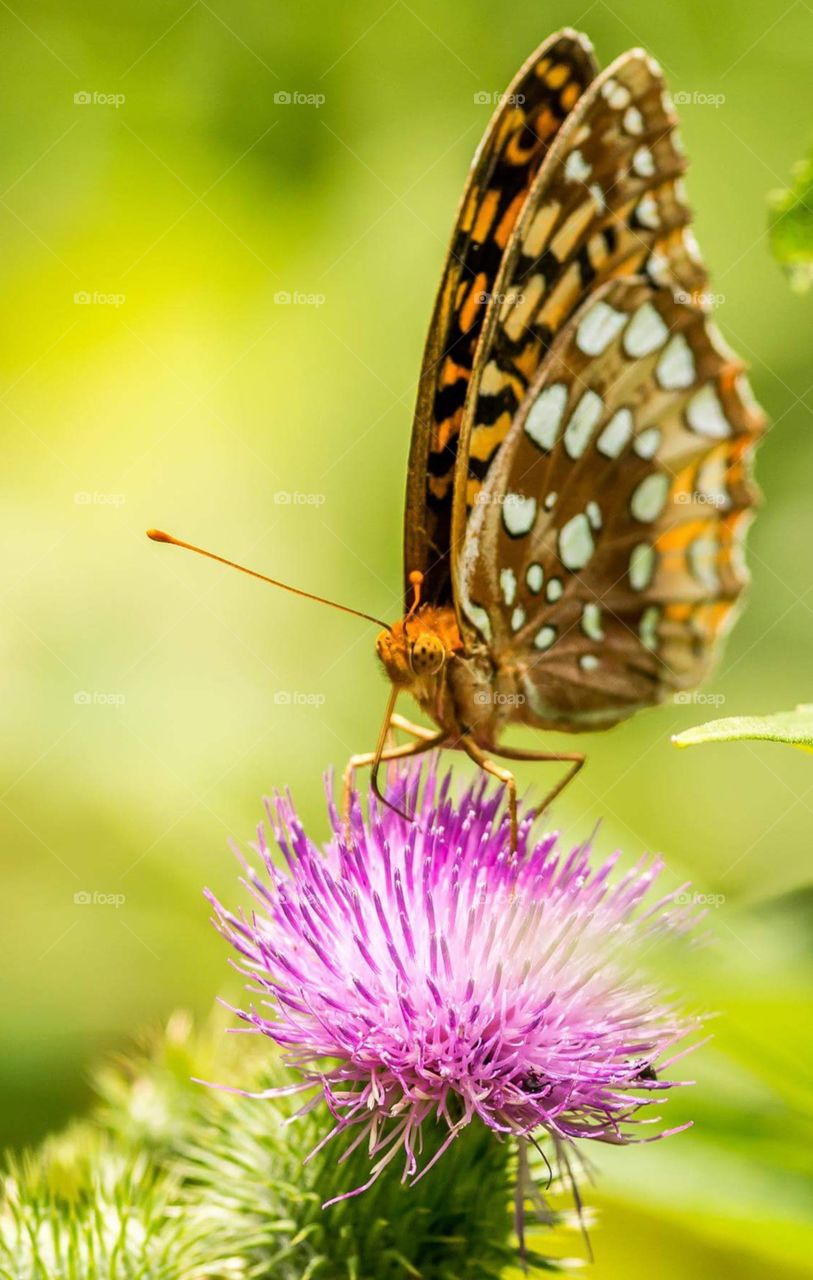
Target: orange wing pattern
(528, 118)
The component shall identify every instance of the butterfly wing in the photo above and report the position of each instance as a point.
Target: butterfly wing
(608, 201)
(602, 558)
(518, 137)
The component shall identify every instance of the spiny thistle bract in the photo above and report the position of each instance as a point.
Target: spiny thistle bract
(82, 1209)
(422, 977)
(247, 1166)
(202, 1183)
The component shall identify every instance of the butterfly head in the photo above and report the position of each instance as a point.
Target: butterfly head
(417, 648)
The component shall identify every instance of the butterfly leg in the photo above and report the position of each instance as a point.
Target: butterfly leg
(374, 758)
(505, 776)
(414, 730)
(575, 759)
(406, 726)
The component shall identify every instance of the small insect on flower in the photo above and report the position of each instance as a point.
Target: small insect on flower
(422, 978)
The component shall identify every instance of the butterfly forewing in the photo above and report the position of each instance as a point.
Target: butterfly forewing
(608, 201)
(528, 118)
(602, 558)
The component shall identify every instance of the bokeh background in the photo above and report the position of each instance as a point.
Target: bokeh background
(153, 374)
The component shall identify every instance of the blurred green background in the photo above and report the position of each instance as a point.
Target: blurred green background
(152, 376)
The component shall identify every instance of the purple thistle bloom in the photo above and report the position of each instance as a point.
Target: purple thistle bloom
(420, 973)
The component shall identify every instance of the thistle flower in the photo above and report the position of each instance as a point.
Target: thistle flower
(422, 978)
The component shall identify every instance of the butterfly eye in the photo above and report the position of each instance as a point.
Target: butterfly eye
(427, 655)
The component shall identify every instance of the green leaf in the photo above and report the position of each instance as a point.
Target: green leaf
(792, 727)
(791, 226)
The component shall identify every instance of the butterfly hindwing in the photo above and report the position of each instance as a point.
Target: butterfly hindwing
(607, 202)
(529, 116)
(602, 558)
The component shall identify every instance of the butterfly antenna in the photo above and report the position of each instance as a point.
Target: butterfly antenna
(416, 582)
(158, 535)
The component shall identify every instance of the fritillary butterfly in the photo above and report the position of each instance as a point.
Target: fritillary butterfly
(579, 479)
(579, 484)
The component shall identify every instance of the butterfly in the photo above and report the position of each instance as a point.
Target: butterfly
(579, 484)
